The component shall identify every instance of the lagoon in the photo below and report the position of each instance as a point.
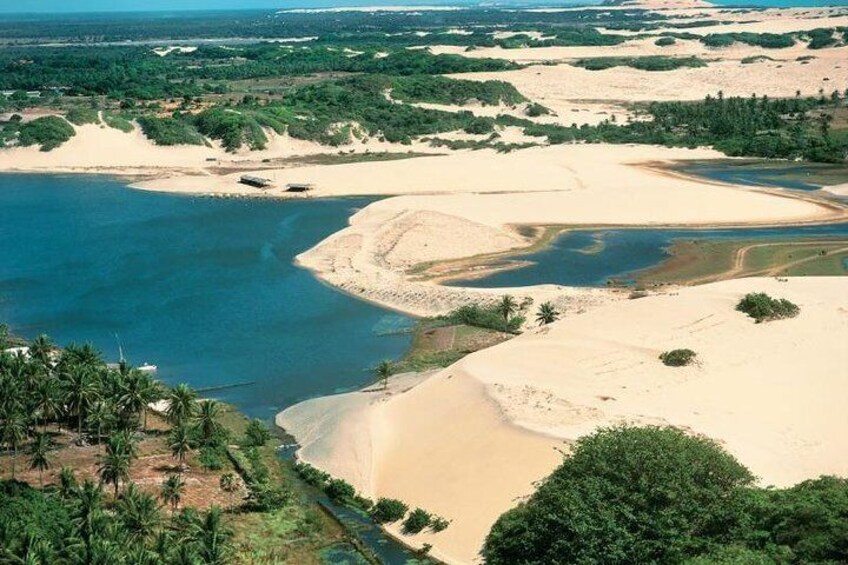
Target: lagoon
(204, 288)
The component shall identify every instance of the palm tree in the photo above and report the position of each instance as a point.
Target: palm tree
(46, 400)
(179, 440)
(507, 307)
(138, 513)
(115, 463)
(213, 538)
(182, 404)
(14, 432)
(88, 515)
(41, 352)
(172, 491)
(80, 392)
(101, 417)
(67, 482)
(38, 455)
(208, 428)
(137, 391)
(383, 372)
(229, 484)
(547, 314)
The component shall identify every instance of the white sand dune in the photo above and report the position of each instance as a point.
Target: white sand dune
(469, 442)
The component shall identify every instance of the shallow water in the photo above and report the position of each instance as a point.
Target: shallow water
(596, 257)
(204, 288)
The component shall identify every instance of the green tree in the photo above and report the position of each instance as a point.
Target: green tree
(209, 429)
(14, 432)
(138, 514)
(115, 464)
(627, 495)
(213, 538)
(383, 371)
(182, 404)
(172, 491)
(81, 391)
(39, 455)
(67, 482)
(507, 307)
(180, 443)
(46, 400)
(257, 433)
(547, 314)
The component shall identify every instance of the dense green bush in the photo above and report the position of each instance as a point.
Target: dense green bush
(535, 110)
(340, 490)
(656, 495)
(170, 131)
(49, 132)
(118, 122)
(647, 63)
(627, 495)
(257, 433)
(764, 308)
(388, 510)
(232, 128)
(483, 317)
(443, 90)
(28, 514)
(417, 520)
(665, 41)
(677, 357)
(82, 116)
(212, 457)
(438, 524)
(265, 497)
(765, 40)
(312, 475)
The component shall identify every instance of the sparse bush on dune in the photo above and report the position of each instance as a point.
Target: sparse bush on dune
(417, 520)
(678, 357)
(764, 308)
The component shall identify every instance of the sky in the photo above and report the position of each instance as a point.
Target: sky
(68, 6)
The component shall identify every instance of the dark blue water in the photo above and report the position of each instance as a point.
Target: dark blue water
(204, 288)
(569, 260)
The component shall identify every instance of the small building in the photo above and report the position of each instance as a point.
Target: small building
(299, 187)
(257, 182)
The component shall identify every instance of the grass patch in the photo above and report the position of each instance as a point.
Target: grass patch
(118, 122)
(82, 116)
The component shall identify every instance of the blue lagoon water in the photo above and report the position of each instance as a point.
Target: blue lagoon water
(594, 257)
(204, 288)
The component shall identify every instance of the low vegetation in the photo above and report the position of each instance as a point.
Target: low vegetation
(678, 357)
(764, 308)
(647, 63)
(48, 132)
(657, 495)
(503, 316)
(81, 116)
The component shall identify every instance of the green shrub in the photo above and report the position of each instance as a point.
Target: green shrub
(483, 317)
(169, 131)
(264, 497)
(212, 458)
(82, 116)
(257, 433)
(630, 495)
(439, 524)
(417, 520)
(764, 308)
(49, 132)
(118, 122)
(340, 490)
(665, 41)
(311, 475)
(647, 63)
(388, 510)
(535, 110)
(678, 357)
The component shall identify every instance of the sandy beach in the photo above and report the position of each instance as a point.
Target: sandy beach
(471, 440)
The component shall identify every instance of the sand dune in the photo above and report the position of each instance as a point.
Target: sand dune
(469, 442)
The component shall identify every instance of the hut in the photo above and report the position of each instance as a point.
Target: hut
(299, 187)
(257, 182)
